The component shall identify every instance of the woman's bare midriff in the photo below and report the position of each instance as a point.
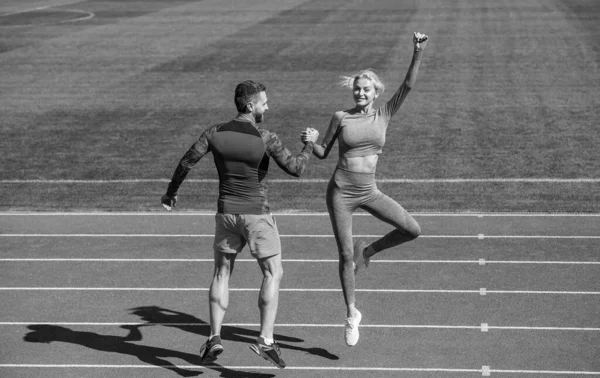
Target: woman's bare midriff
(359, 164)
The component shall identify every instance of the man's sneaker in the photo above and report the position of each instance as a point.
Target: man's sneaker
(360, 260)
(352, 329)
(271, 353)
(211, 350)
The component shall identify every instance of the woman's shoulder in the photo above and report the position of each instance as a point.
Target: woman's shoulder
(340, 114)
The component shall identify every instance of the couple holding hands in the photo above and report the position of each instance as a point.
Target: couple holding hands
(242, 152)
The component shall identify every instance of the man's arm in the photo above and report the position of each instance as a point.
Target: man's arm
(292, 165)
(191, 157)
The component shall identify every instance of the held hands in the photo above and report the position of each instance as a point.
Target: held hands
(420, 41)
(168, 202)
(309, 135)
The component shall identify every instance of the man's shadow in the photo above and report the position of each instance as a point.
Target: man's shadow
(189, 323)
(44, 333)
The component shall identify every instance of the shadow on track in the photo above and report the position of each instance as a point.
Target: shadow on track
(44, 333)
(189, 323)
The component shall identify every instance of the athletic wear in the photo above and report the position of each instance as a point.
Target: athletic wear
(356, 189)
(351, 329)
(211, 349)
(271, 353)
(259, 231)
(360, 261)
(241, 153)
(348, 191)
(361, 134)
(364, 134)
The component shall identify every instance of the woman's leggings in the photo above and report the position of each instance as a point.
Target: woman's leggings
(348, 191)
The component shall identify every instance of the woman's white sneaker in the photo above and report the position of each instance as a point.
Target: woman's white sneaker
(352, 329)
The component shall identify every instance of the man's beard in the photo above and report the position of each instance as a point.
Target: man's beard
(259, 118)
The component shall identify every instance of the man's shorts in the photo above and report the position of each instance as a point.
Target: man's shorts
(259, 231)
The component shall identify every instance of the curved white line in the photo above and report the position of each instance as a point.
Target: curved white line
(89, 16)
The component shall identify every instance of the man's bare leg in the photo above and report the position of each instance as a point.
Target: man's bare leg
(218, 294)
(268, 299)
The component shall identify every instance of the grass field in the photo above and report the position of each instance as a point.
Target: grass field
(118, 90)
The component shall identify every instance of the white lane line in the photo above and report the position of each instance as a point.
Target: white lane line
(111, 235)
(539, 292)
(232, 367)
(291, 213)
(206, 289)
(544, 328)
(544, 262)
(479, 262)
(311, 181)
(543, 292)
(310, 325)
(232, 325)
(552, 372)
(516, 236)
(33, 10)
(32, 235)
(305, 368)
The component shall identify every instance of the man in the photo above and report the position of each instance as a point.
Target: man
(242, 152)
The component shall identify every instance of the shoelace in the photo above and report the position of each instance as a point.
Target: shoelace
(276, 347)
(273, 346)
(349, 322)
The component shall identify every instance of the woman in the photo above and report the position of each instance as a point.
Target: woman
(361, 135)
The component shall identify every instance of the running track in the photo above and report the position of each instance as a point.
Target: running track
(477, 295)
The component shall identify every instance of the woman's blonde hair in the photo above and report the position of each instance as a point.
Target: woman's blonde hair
(348, 81)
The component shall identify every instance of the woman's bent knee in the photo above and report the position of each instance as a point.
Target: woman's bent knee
(416, 230)
(410, 229)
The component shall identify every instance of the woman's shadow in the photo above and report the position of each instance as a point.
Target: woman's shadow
(44, 333)
(156, 315)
